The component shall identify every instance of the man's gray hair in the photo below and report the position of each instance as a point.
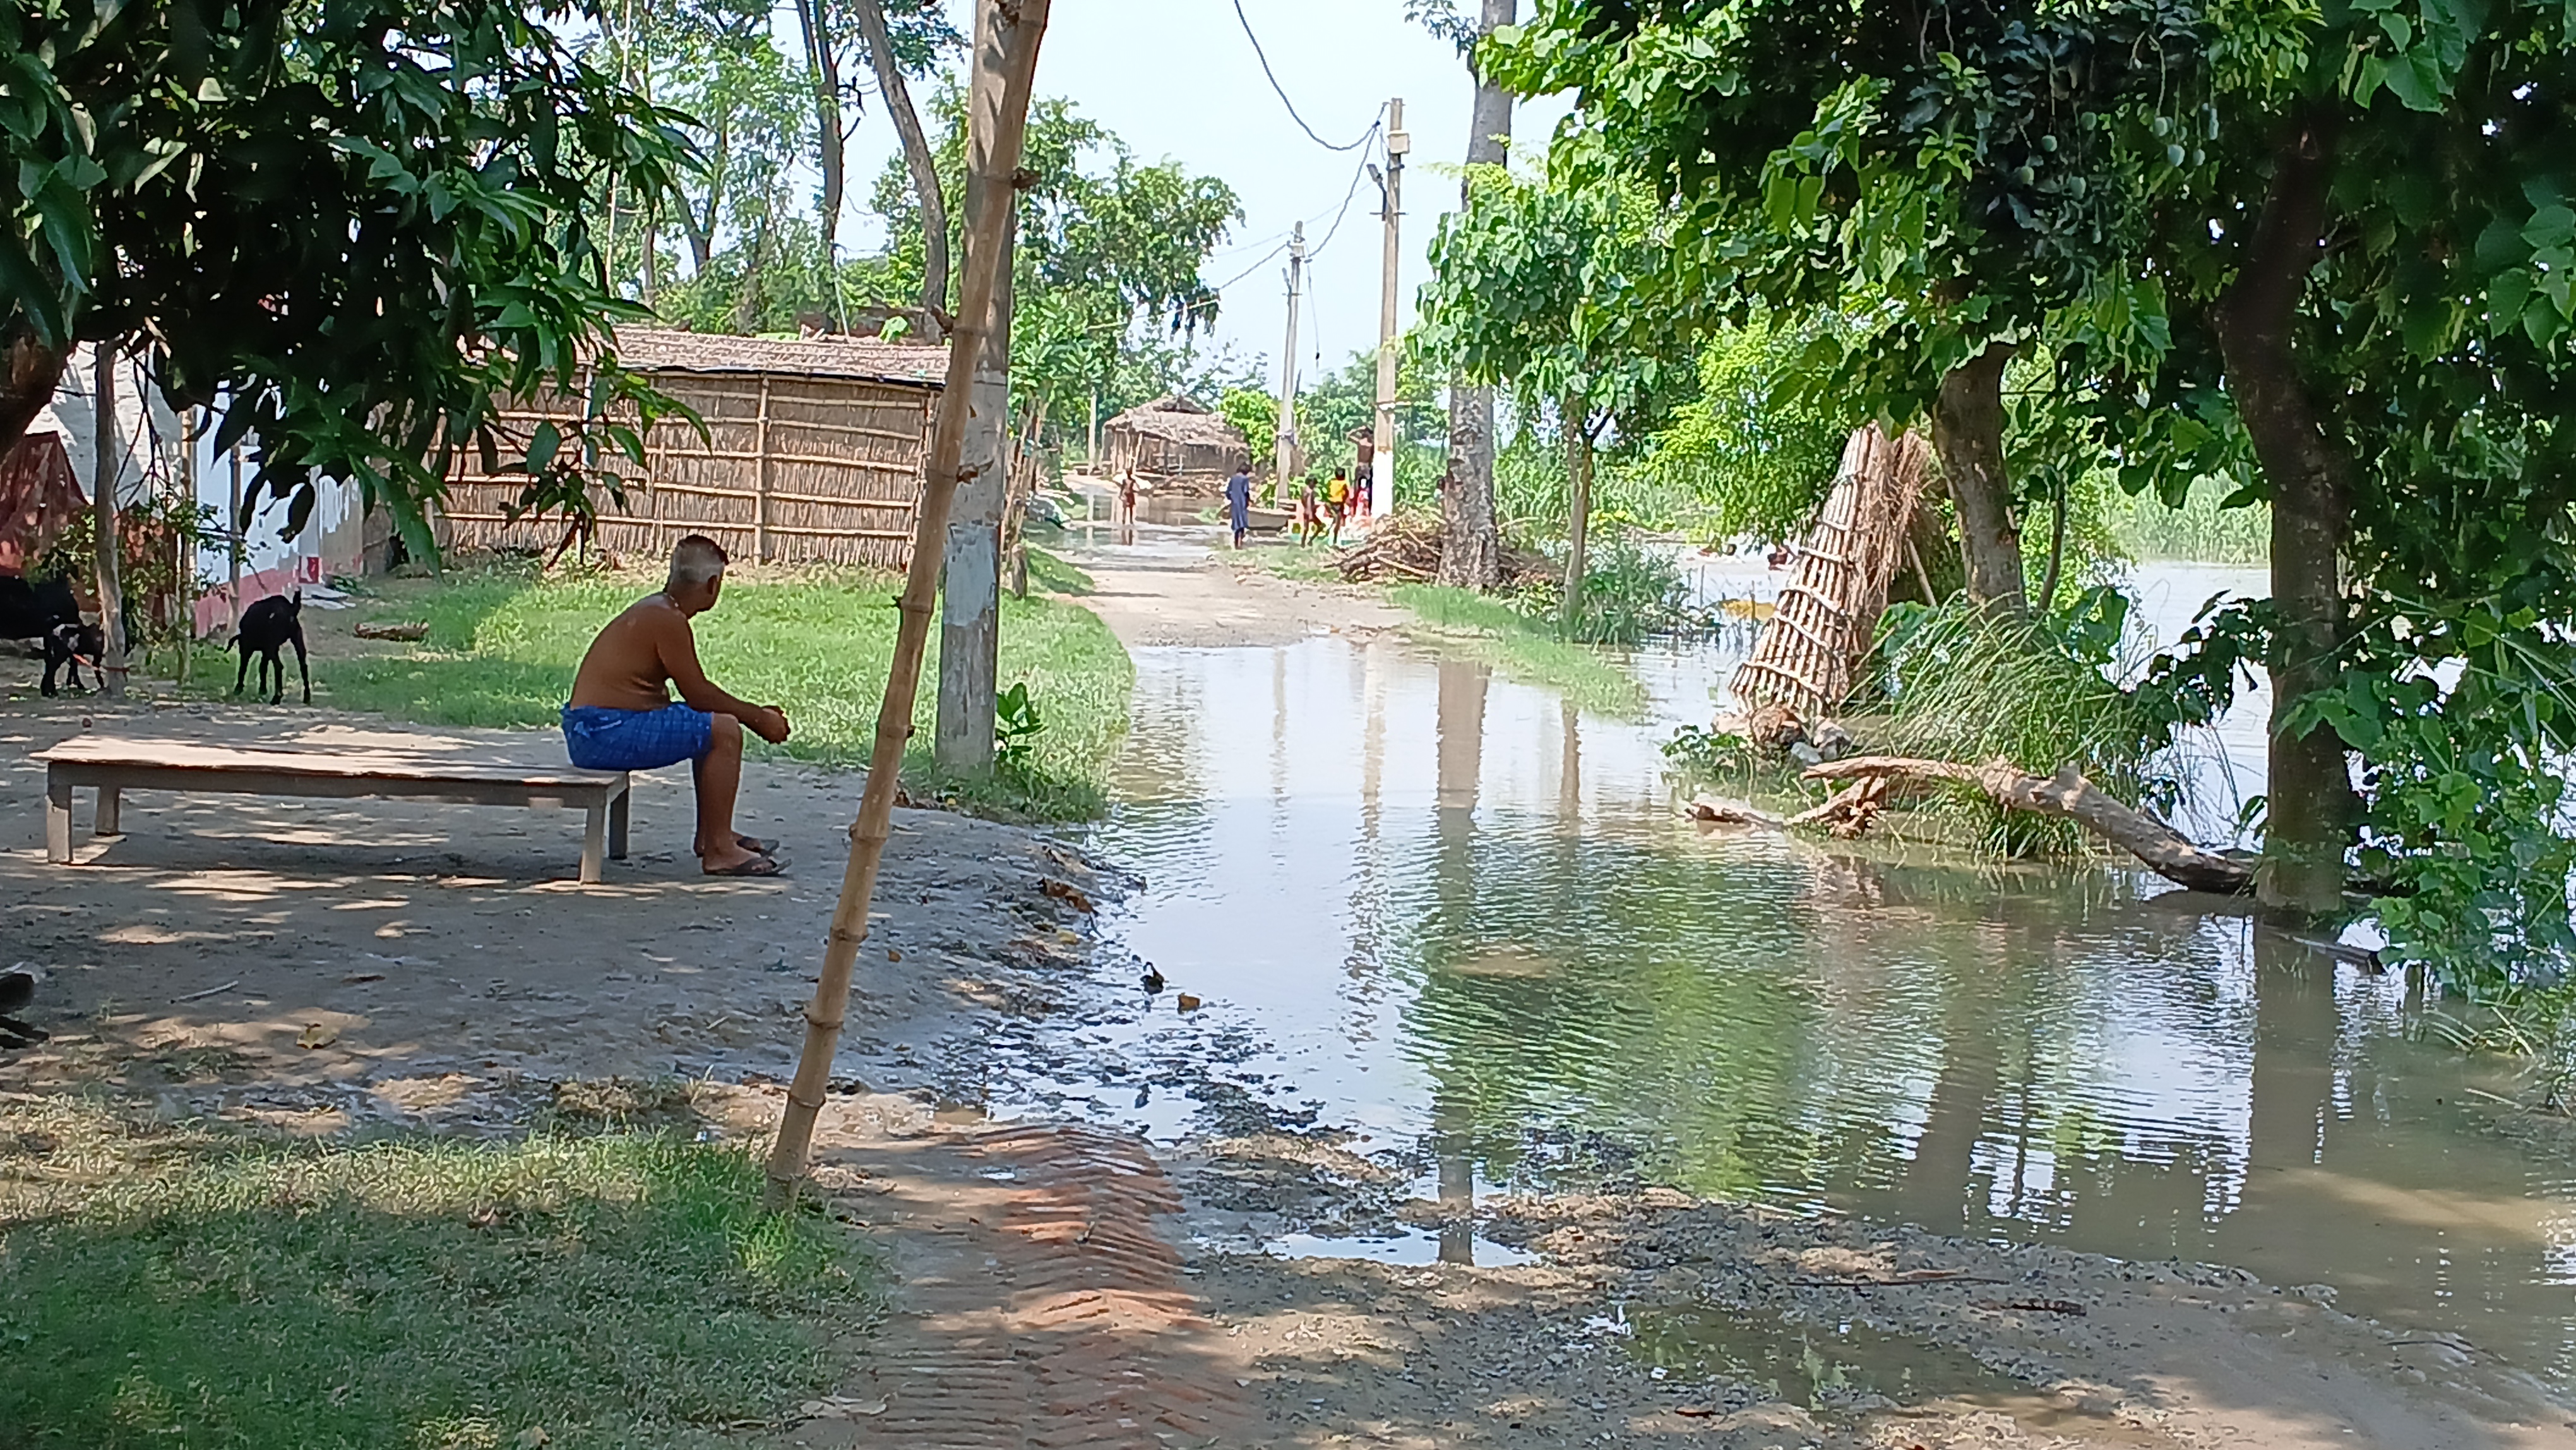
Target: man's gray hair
(696, 560)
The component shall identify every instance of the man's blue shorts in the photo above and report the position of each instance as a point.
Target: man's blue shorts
(599, 738)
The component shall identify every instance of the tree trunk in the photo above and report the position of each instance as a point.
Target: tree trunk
(2158, 846)
(917, 158)
(1471, 547)
(1578, 480)
(2056, 570)
(2310, 807)
(701, 230)
(1006, 45)
(29, 373)
(1968, 433)
(826, 69)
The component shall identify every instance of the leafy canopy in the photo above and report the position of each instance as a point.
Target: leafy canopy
(355, 223)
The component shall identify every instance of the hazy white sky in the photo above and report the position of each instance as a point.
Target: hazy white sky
(1177, 79)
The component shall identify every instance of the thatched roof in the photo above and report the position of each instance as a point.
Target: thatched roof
(1176, 419)
(658, 349)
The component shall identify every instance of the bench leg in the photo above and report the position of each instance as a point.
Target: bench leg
(111, 811)
(58, 819)
(594, 843)
(617, 825)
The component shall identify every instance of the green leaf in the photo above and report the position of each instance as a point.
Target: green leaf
(543, 444)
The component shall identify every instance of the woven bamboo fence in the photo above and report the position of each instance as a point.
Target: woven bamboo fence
(791, 470)
(1810, 651)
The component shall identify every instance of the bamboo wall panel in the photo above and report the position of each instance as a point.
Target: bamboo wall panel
(1810, 652)
(790, 470)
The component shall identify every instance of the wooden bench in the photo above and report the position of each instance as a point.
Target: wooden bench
(115, 764)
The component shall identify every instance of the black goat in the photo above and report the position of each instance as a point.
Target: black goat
(45, 609)
(267, 628)
(17, 989)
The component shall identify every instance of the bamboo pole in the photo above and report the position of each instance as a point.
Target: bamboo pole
(760, 480)
(184, 541)
(1007, 33)
(105, 534)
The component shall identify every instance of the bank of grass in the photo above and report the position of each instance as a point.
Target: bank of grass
(503, 642)
(1464, 624)
(1479, 626)
(187, 1286)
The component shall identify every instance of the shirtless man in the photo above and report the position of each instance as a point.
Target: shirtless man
(622, 718)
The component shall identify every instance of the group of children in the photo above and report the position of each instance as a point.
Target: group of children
(1313, 516)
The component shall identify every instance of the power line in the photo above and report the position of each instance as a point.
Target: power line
(1347, 197)
(1263, 56)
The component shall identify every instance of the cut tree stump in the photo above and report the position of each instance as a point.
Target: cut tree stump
(2160, 847)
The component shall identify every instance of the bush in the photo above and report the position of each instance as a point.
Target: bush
(1963, 685)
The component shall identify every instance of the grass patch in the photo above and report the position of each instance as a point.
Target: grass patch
(1485, 628)
(1057, 576)
(503, 644)
(1462, 622)
(1305, 563)
(187, 1287)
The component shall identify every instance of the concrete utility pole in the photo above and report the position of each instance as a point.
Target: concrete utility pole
(1285, 451)
(111, 592)
(970, 623)
(1382, 434)
(1471, 546)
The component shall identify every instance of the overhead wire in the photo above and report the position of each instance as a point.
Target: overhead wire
(1282, 92)
(1347, 198)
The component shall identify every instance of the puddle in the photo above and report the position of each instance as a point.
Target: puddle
(1409, 1249)
(1813, 1366)
(1443, 910)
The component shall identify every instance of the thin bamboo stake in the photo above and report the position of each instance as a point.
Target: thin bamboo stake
(105, 534)
(1007, 33)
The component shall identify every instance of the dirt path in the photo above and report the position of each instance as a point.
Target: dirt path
(442, 962)
(1172, 588)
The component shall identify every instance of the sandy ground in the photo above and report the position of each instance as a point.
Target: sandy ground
(1171, 589)
(1056, 1284)
(449, 957)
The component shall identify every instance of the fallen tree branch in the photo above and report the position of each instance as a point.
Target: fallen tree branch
(2068, 794)
(1726, 812)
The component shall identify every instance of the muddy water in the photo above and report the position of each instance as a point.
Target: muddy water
(1449, 912)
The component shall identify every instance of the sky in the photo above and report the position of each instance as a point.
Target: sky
(1177, 79)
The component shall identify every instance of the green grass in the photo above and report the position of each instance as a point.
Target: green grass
(186, 1287)
(1464, 624)
(1479, 626)
(2198, 532)
(503, 644)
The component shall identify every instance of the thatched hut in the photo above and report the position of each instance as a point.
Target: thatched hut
(1173, 437)
(813, 452)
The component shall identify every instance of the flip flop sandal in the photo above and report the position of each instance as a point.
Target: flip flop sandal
(754, 843)
(756, 866)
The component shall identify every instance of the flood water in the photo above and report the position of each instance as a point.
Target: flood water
(1448, 911)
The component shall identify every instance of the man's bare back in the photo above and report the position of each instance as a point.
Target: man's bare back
(628, 666)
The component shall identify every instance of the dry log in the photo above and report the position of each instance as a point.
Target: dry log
(1731, 813)
(1848, 812)
(2068, 794)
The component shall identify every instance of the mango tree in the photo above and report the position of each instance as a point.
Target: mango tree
(1964, 185)
(358, 227)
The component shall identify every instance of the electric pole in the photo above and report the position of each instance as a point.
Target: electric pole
(1382, 434)
(1284, 453)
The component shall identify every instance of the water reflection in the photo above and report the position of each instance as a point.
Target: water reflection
(1455, 914)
